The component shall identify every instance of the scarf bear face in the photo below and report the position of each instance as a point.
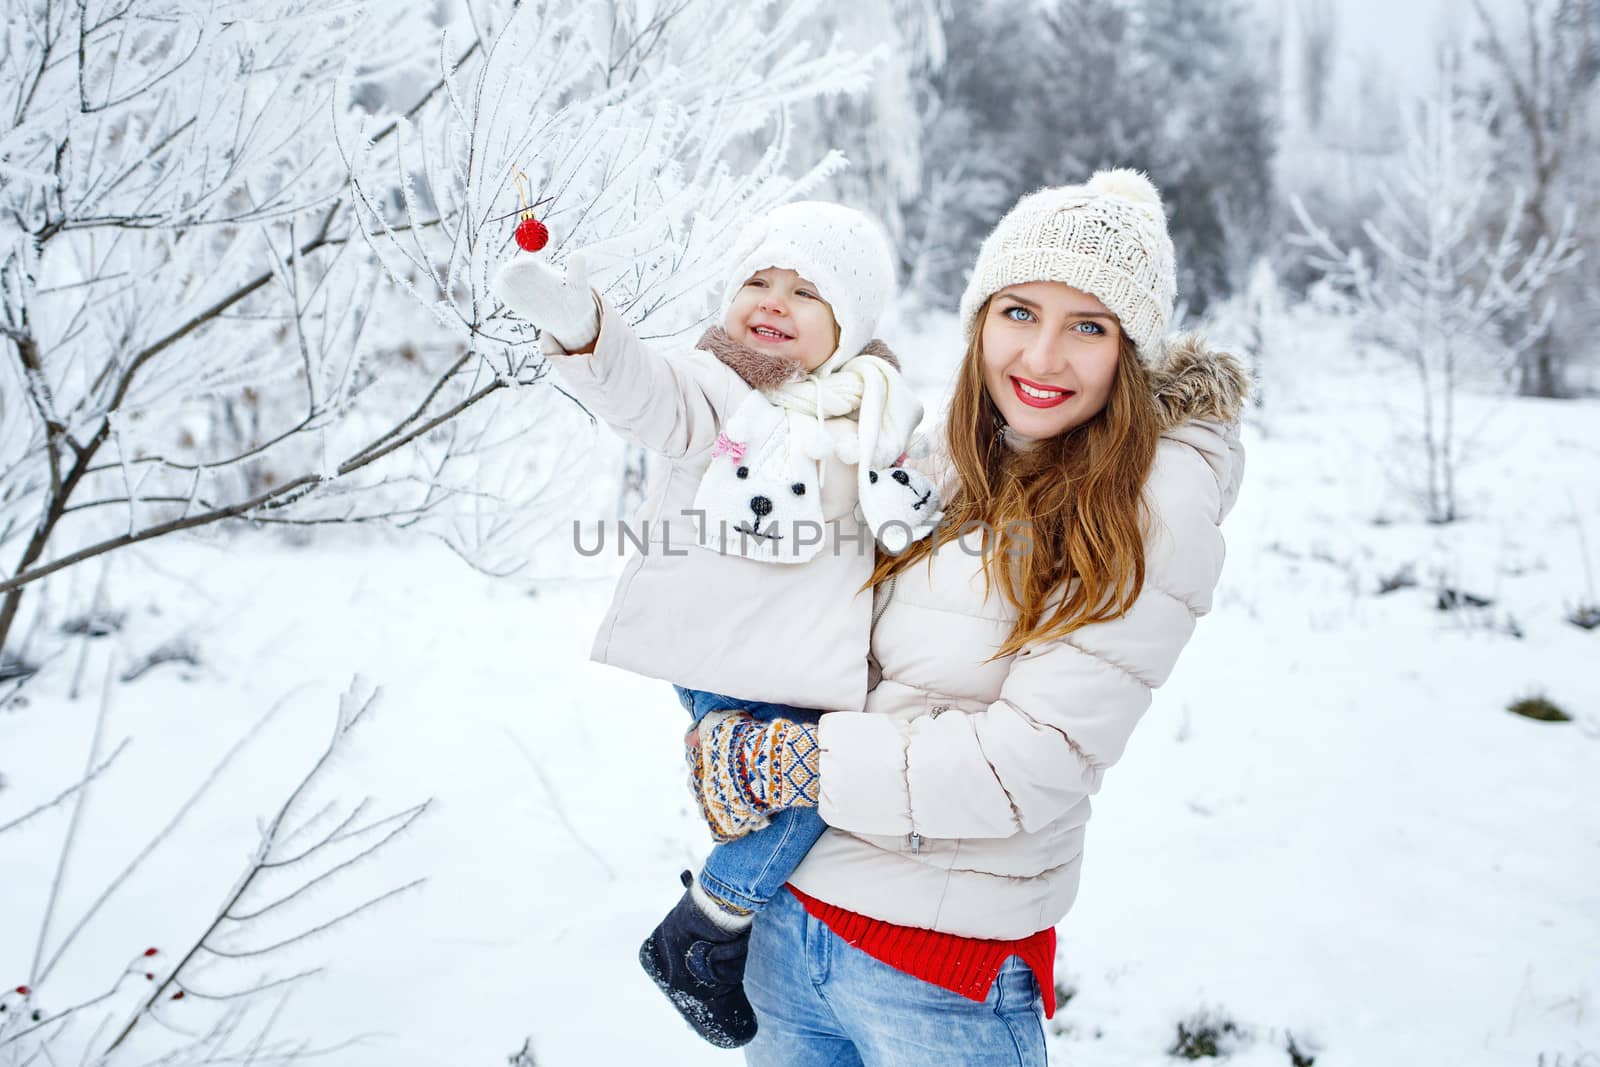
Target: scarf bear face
(760, 498)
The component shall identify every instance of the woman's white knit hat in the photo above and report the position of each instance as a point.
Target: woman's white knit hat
(840, 250)
(1107, 237)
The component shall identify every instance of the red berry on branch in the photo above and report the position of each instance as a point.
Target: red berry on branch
(178, 995)
(148, 977)
(149, 952)
(532, 234)
(24, 990)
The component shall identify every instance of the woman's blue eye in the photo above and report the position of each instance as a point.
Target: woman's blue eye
(807, 293)
(1012, 312)
(757, 281)
(1095, 329)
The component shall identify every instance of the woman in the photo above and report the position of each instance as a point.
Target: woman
(1087, 467)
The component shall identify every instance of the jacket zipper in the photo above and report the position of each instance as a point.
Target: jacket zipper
(913, 839)
(878, 612)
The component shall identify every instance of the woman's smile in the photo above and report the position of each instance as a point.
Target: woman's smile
(1040, 396)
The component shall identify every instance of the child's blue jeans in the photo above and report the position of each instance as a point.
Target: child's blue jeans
(749, 871)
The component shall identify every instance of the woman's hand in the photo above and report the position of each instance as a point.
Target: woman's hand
(742, 770)
(560, 304)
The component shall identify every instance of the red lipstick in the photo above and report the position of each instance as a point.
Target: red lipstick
(1036, 402)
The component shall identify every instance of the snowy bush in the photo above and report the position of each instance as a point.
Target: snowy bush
(1208, 1035)
(195, 204)
(217, 994)
(1451, 301)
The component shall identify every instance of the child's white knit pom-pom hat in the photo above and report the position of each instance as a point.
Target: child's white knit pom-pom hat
(840, 250)
(1107, 237)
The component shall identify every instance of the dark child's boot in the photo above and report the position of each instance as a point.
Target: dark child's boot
(700, 967)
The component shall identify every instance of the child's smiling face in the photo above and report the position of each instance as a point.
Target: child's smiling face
(778, 311)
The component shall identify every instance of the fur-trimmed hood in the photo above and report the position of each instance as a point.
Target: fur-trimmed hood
(1191, 380)
(761, 370)
(1200, 394)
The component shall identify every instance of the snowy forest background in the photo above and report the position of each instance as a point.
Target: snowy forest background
(300, 757)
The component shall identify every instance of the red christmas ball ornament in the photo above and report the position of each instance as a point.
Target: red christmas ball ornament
(532, 234)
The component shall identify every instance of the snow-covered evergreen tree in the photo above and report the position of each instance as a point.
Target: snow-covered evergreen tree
(1045, 93)
(1211, 136)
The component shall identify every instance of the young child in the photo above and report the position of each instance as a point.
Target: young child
(783, 431)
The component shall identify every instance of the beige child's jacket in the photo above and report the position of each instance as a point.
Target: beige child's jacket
(957, 798)
(784, 634)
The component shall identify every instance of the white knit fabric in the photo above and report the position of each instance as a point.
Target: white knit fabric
(1107, 237)
(841, 251)
(887, 412)
(780, 440)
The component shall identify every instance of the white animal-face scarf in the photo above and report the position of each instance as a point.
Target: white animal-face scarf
(762, 495)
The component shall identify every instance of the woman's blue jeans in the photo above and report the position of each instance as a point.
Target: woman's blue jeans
(750, 870)
(822, 1003)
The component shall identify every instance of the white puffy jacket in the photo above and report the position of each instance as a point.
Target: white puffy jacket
(694, 616)
(957, 798)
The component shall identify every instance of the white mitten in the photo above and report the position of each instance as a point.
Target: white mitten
(560, 304)
(901, 505)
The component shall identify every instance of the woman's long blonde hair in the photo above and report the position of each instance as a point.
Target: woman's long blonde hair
(1067, 515)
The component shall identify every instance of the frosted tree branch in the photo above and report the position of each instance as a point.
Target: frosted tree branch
(187, 269)
(1446, 294)
(272, 906)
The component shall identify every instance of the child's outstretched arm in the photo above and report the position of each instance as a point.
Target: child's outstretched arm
(667, 405)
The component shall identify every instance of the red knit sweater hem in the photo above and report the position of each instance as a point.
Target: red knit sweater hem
(964, 965)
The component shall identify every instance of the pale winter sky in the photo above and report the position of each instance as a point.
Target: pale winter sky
(1400, 33)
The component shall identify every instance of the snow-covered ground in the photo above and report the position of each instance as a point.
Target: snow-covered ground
(1328, 826)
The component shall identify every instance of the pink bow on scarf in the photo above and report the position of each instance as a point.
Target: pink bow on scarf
(726, 446)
